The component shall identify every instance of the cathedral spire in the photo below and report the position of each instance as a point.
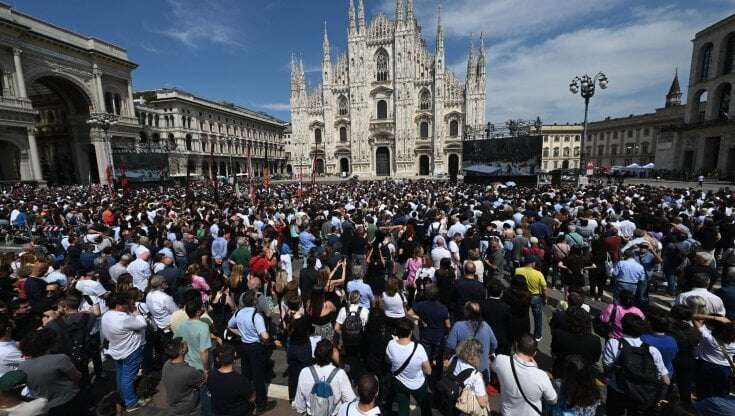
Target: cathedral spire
(470, 59)
(673, 98)
(481, 57)
(351, 18)
(439, 55)
(409, 9)
(325, 43)
(399, 10)
(361, 16)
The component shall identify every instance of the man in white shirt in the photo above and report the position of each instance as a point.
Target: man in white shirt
(10, 356)
(119, 268)
(140, 269)
(160, 304)
(712, 303)
(57, 276)
(124, 328)
(439, 252)
(454, 249)
(367, 393)
(324, 369)
(534, 382)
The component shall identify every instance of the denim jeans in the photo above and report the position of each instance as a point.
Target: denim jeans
(127, 371)
(537, 310)
(641, 294)
(672, 280)
(620, 286)
(435, 352)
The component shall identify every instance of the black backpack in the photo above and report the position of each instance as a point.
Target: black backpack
(449, 388)
(636, 375)
(352, 328)
(73, 340)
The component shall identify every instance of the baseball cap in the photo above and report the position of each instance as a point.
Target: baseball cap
(12, 380)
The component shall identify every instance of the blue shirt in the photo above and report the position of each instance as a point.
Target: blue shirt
(219, 247)
(539, 230)
(243, 321)
(629, 271)
(366, 293)
(307, 241)
(666, 345)
(462, 331)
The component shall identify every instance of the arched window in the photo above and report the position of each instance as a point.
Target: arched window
(424, 130)
(343, 134)
(723, 111)
(728, 58)
(342, 106)
(318, 136)
(381, 65)
(705, 61)
(546, 152)
(424, 100)
(188, 142)
(382, 110)
(118, 103)
(171, 141)
(143, 137)
(556, 152)
(453, 128)
(156, 138)
(108, 102)
(566, 152)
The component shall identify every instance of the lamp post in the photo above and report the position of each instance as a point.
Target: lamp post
(105, 121)
(585, 86)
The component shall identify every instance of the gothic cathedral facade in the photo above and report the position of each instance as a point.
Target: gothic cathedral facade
(388, 107)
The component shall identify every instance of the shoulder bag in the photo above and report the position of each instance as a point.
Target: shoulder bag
(520, 389)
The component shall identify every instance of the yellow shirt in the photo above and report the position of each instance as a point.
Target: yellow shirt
(534, 279)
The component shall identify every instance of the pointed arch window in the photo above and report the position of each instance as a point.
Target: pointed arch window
(424, 130)
(381, 65)
(342, 106)
(382, 110)
(343, 134)
(425, 100)
(453, 128)
(318, 136)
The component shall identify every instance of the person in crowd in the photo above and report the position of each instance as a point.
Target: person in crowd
(392, 302)
(716, 348)
(51, 376)
(409, 364)
(536, 283)
(577, 391)
(713, 305)
(433, 321)
(124, 329)
(575, 338)
(230, 396)
(12, 401)
(619, 401)
(613, 314)
(628, 274)
(658, 336)
(250, 326)
(468, 356)
(498, 315)
(325, 369)
(687, 338)
(352, 335)
(181, 381)
(368, 389)
(474, 327)
(523, 386)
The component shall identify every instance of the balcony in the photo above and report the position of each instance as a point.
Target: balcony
(382, 124)
(16, 104)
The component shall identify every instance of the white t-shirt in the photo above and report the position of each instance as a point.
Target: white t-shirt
(413, 375)
(535, 383)
(94, 290)
(474, 381)
(426, 273)
(364, 314)
(394, 306)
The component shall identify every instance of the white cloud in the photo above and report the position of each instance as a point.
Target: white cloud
(529, 77)
(194, 23)
(275, 106)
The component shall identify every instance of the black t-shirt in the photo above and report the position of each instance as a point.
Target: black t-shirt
(230, 393)
(432, 314)
(466, 290)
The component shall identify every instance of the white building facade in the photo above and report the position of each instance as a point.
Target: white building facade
(561, 146)
(388, 106)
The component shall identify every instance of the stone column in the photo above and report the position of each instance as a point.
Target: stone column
(100, 151)
(34, 158)
(20, 78)
(97, 73)
(130, 106)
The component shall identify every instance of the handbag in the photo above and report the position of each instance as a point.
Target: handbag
(518, 384)
(468, 403)
(609, 266)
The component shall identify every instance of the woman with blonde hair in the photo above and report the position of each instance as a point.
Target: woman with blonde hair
(237, 283)
(465, 365)
(474, 257)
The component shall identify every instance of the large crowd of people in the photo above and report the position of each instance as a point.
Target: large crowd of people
(378, 294)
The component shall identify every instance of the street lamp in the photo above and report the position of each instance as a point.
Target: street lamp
(585, 86)
(104, 121)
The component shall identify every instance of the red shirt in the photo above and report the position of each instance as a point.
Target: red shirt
(612, 245)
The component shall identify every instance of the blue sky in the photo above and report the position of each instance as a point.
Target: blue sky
(238, 50)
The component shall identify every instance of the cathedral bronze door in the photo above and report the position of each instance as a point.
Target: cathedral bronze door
(382, 161)
(424, 165)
